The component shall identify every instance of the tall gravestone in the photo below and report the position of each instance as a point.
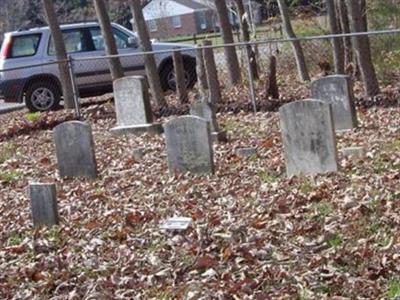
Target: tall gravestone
(206, 111)
(132, 105)
(338, 91)
(75, 150)
(189, 146)
(43, 204)
(308, 137)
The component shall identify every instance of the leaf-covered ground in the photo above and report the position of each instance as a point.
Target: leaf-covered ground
(255, 235)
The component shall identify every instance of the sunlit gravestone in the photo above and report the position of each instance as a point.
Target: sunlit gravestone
(132, 106)
(337, 90)
(308, 137)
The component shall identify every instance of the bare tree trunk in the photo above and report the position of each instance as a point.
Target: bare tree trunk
(297, 49)
(357, 17)
(344, 22)
(245, 36)
(227, 35)
(212, 74)
(180, 81)
(201, 72)
(338, 55)
(271, 88)
(149, 60)
(61, 54)
(109, 42)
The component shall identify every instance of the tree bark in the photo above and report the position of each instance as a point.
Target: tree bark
(149, 60)
(357, 17)
(109, 41)
(180, 81)
(227, 36)
(297, 49)
(212, 74)
(344, 24)
(61, 54)
(271, 88)
(338, 54)
(201, 72)
(245, 36)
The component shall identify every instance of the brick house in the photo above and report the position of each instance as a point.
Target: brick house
(171, 18)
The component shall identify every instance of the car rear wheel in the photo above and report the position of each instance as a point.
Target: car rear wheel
(42, 96)
(167, 75)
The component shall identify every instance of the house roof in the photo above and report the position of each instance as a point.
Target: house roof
(157, 9)
(191, 4)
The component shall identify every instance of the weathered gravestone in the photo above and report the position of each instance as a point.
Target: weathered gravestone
(75, 150)
(43, 204)
(308, 137)
(132, 105)
(206, 111)
(338, 91)
(189, 146)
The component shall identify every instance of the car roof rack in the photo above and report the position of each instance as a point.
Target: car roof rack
(44, 24)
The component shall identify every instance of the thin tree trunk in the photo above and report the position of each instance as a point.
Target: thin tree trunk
(201, 72)
(297, 49)
(344, 22)
(61, 54)
(338, 55)
(212, 74)
(245, 36)
(180, 81)
(227, 35)
(271, 88)
(357, 17)
(149, 60)
(109, 41)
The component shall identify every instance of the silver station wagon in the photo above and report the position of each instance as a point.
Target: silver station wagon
(23, 78)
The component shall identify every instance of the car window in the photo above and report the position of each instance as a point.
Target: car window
(25, 45)
(121, 39)
(74, 41)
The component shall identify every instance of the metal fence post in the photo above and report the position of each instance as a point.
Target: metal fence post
(74, 87)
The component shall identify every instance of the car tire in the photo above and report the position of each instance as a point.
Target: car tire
(167, 74)
(42, 96)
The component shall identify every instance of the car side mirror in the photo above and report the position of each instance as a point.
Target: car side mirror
(132, 42)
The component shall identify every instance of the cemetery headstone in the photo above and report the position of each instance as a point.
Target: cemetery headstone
(75, 150)
(338, 91)
(189, 146)
(132, 105)
(357, 153)
(43, 204)
(206, 111)
(246, 152)
(308, 137)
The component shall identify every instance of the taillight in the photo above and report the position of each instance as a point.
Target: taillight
(6, 49)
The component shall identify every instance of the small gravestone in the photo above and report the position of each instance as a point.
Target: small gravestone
(246, 152)
(75, 150)
(354, 152)
(338, 91)
(308, 137)
(43, 204)
(206, 111)
(132, 105)
(189, 146)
